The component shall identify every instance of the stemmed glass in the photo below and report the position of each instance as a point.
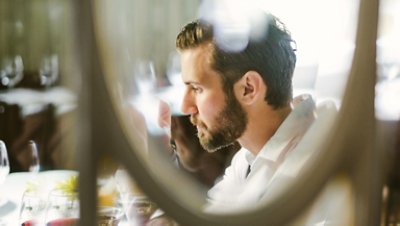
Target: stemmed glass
(48, 71)
(145, 77)
(174, 69)
(4, 167)
(4, 164)
(145, 99)
(32, 204)
(34, 165)
(177, 88)
(136, 206)
(11, 71)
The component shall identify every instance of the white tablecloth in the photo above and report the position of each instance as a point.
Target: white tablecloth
(32, 101)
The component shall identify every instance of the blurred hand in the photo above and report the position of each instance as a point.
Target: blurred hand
(164, 115)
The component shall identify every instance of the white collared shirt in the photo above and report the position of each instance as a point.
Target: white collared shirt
(237, 189)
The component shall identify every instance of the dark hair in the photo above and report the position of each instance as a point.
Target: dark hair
(271, 55)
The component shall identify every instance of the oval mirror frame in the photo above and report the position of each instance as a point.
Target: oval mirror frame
(354, 131)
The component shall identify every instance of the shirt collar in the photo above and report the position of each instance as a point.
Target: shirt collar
(296, 123)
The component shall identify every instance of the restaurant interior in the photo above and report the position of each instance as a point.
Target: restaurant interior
(82, 83)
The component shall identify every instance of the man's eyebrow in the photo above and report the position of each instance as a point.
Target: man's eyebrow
(191, 83)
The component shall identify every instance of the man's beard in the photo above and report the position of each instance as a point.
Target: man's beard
(230, 125)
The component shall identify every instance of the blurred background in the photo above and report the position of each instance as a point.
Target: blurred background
(39, 82)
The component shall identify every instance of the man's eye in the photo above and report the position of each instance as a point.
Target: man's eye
(196, 89)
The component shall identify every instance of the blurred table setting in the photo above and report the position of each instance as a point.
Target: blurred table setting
(27, 191)
(32, 101)
(50, 198)
(45, 116)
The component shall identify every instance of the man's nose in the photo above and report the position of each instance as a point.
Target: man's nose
(188, 104)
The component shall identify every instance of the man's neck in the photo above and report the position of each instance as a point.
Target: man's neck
(261, 127)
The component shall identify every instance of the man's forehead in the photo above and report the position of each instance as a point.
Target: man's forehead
(197, 65)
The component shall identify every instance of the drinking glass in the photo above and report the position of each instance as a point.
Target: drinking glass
(137, 208)
(4, 164)
(11, 71)
(48, 70)
(109, 216)
(62, 209)
(34, 165)
(32, 206)
(4, 168)
(135, 205)
(174, 69)
(145, 77)
(145, 98)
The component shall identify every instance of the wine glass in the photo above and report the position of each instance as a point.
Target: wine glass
(136, 206)
(4, 166)
(145, 77)
(34, 165)
(109, 215)
(48, 71)
(177, 88)
(11, 71)
(174, 69)
(145, 100)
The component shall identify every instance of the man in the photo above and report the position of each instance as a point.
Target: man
(244, 95)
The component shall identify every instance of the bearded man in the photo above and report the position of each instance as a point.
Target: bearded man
(242, 93)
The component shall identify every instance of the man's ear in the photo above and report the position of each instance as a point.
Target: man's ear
(250, 88)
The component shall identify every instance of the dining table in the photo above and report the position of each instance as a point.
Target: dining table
(15, 184)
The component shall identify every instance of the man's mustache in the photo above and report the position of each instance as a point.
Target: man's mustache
(193, 120)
